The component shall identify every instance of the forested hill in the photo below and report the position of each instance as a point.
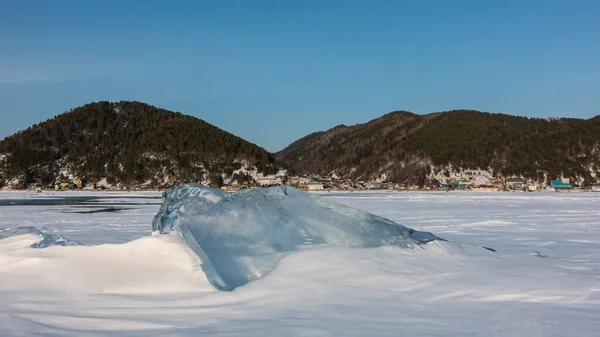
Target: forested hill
(405, 147)
(129, 143)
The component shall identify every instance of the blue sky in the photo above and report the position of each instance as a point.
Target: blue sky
(274, 71)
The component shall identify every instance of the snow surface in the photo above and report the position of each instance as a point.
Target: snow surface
(545, 280)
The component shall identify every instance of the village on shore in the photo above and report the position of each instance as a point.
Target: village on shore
(333, 182)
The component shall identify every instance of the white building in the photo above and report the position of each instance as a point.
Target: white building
(315, 187)
(269, 180)
(303, 181)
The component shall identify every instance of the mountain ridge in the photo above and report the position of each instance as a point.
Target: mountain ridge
(405, 147)
(132, 143)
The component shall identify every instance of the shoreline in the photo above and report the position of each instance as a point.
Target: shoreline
(365, 191)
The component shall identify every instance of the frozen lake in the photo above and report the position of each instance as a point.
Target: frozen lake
(544, 281)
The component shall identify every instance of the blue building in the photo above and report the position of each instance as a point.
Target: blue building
(559, 184)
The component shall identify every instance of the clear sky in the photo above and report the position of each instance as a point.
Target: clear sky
(274, 71)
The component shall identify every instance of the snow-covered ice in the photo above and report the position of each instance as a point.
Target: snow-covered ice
(544, 280)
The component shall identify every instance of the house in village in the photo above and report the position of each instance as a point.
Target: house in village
(69, 184)
(314, 187)
(463, 184)
(515, 184)
(561, 184)
(269, 180)
(498, 184)
(304, 181)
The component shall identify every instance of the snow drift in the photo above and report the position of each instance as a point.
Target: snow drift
(241, 236)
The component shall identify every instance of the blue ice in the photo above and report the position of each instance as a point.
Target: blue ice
(240, 236)
(46, 239)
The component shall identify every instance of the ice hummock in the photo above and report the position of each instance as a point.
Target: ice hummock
(46, 239)
(240, 236)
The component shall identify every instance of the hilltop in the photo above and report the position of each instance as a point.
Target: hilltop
(408, 148)
(128, 143)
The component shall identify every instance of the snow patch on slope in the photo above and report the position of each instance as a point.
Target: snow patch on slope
(449, 174)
